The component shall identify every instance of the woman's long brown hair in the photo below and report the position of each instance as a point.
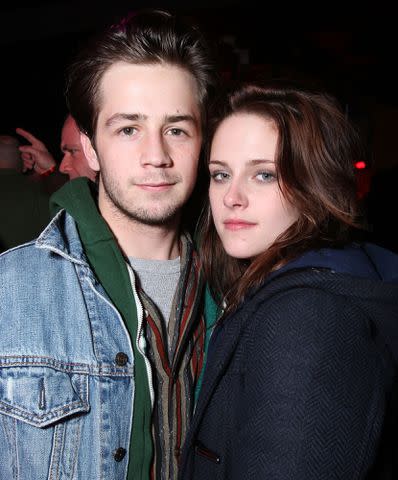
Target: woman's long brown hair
(316, 151)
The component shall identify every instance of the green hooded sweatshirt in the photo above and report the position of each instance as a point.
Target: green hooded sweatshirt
(78, 198)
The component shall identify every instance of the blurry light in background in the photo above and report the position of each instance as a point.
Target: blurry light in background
(360, 165)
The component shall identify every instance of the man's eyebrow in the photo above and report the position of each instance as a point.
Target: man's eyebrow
(180, 118)
(119, 117)
(135, 117)
(70, 146)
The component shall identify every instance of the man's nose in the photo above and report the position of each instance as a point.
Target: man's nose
(65, 164)
(155, 151)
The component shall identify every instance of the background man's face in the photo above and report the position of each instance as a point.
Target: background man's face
(74, 163)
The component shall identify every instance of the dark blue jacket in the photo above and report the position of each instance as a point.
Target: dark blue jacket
(300, 380)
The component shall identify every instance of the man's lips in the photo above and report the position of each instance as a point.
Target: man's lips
(155, 187)
(238, 224)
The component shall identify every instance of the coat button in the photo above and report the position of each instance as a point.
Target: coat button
(121, 359)
(119, 454)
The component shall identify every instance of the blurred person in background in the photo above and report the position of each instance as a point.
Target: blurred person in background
(74, 163)
(23, 199)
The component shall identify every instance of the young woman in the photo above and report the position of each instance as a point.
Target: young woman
(300, 377)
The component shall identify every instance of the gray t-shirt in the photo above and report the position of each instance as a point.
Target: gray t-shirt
(158, 279)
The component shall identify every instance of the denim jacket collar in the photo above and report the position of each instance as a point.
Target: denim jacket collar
(61, 236)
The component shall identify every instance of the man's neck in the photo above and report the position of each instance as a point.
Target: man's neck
(145, 241)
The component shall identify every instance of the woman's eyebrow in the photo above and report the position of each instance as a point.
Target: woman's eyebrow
(255, 161)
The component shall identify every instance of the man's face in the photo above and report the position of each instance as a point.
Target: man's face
(147, 143)
(74, 162)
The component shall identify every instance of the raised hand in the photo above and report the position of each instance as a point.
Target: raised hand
(35, 156)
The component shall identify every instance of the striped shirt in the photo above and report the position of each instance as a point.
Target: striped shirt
(175, 350)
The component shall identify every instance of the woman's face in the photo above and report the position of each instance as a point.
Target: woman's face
(248, 207)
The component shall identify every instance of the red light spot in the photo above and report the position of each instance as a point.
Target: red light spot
(360, 165)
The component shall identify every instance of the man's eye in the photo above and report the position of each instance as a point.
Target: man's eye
(128, 131)
(177, 132)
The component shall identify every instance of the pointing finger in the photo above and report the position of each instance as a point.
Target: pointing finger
(31, 138)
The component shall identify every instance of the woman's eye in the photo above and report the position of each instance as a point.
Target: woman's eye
(265, 176)
(219, 176)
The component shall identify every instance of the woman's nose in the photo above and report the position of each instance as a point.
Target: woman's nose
(235, 196)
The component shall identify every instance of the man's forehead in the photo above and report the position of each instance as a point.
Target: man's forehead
(155, 90)
(70, 134)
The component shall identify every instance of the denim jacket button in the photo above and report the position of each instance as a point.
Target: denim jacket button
(121, 359)
(119, 454)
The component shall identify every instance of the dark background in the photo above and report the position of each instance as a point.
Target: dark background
(347, 49)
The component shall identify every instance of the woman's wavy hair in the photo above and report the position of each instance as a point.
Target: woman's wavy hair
(316, 151)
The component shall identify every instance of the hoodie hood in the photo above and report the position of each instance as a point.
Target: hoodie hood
(366, 261)
(367, 275)
(78, 198)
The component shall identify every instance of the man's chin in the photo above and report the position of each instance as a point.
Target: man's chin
(155, 217)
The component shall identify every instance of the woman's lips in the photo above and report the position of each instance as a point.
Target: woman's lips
(238, 224)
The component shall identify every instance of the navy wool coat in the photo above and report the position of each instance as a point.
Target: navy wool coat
(300, 380)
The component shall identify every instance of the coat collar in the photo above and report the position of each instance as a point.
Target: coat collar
(61, 237)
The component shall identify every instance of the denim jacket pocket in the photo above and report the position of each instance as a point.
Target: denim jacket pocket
(42, 396)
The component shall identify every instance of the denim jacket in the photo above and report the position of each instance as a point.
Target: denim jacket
(66, 365)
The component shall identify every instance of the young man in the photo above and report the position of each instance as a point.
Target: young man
(101, 317)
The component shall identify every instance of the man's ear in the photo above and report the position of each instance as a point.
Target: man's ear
(89, 152)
